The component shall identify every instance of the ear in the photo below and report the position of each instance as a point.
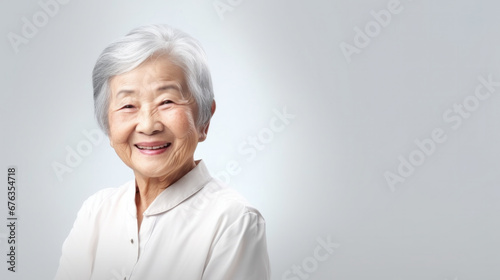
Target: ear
(204, 128)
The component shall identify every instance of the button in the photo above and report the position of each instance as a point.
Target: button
(132, 241)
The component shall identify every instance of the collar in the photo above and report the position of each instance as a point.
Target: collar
(175, 194)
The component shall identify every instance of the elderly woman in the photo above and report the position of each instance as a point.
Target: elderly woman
(154, 99)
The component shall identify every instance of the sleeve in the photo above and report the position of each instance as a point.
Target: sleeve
(78, 249)
(241, 251)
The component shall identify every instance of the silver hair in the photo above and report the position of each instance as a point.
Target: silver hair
(142, 43)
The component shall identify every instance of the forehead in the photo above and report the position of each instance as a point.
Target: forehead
(154, 71)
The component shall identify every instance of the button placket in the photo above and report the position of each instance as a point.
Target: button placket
(145, 232)
(132, 241)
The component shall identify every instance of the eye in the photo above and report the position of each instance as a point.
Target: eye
(128, 106)
(164, 102)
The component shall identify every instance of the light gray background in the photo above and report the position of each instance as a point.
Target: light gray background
(323, 174)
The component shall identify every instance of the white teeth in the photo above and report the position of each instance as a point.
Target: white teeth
(153, 148)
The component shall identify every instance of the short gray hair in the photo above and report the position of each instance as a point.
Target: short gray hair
(142, 43)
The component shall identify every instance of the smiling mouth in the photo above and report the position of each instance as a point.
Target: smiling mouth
(153, 147)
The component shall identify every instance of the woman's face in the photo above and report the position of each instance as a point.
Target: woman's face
(152, 120)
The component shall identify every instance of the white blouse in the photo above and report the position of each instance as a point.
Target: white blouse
(197, 228)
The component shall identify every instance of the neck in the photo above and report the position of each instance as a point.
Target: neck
(148, 188)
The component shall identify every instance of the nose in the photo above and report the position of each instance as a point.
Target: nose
(148, 122)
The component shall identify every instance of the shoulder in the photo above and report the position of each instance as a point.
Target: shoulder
(227, 203)
(236, 222)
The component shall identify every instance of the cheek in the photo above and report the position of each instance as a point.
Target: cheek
(182, 124)
(118, 131)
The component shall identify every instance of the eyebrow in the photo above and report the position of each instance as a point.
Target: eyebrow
(124, 91)
(175, 86)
